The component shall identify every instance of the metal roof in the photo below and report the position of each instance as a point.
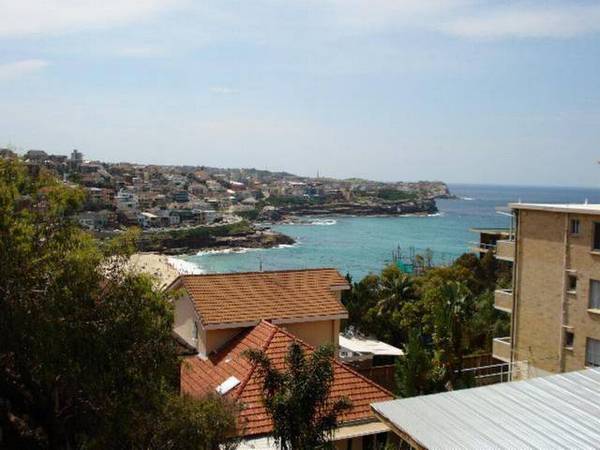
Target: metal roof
(581, 208)
(557, 411)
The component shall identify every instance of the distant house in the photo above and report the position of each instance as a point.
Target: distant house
(126, 200)
(6, 153)
(147, 220)
(36, 155)
(181, 196)
(95, 220)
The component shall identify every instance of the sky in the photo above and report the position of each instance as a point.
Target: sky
(464, 91)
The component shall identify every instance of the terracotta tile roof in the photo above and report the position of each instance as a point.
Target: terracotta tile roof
(254, 296)
(201, 376)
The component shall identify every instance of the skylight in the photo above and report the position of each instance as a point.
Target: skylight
(227, 385)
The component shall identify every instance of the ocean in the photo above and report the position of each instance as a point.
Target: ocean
(360, 245)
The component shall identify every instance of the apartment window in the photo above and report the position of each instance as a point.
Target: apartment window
(592, 353)
(574, 227)
(572, 283)
(596, 245)
(569, 339)
(594, 302)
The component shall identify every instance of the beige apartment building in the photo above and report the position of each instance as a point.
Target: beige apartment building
(554, 301)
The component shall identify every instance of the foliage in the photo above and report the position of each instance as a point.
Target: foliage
(188, 424)
(450, 308)
(297, 399)
(87, 358)
(396, 195)
(414, 371)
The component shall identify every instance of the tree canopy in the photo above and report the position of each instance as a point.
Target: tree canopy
(438, 316)
(87, 358)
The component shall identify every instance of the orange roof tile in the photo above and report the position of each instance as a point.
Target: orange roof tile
(200, 376)
(253, 296)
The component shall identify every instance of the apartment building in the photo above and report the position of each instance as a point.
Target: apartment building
(554, 301)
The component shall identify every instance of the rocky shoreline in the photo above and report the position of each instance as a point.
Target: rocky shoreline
(288, 213)
(178, 244)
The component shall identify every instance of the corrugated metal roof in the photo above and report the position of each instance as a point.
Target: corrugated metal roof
(558, 411)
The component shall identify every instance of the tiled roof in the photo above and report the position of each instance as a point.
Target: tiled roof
(254, 296)
(202, 376)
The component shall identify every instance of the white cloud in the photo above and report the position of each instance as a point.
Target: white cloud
(540, 21)
(36, 17)
(17, 69)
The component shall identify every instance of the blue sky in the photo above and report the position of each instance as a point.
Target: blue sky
(459, 90)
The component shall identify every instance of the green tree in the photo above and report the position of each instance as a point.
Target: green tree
(297, 398)
(87, 358)
(395, 289)
(359, 300)
(414, 371)
(451, 313)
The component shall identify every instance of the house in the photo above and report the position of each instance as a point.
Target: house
(181, 196)
(371, 358)
(147, 219)
(36, 155)
(228, 372)
(126, 200)
(6, 153)
(213, 309)
(554, 300)
(557, 411)
(221, 315)
(95, 220)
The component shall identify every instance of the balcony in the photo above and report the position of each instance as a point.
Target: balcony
(505, 250)
(501, 348)
(481, 247)
(503, 300)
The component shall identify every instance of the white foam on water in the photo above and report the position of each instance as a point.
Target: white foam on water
(184, 267)
(323, 222)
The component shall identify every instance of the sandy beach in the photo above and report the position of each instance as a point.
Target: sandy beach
(164, 268)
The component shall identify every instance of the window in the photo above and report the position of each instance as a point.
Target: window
(596, 245)
(574, 227)
(594, 294)
(572, 283)
(569, 339)
(195, 331)
(592, 353)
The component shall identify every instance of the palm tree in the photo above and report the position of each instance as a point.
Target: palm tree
(452, 311)
(297, 399)
(395, 289)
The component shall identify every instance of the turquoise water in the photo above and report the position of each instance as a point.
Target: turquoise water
(359, 245)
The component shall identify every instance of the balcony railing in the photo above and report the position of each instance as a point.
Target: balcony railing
(501, 349)
(505, 250)
(503, 300)
(481, 247)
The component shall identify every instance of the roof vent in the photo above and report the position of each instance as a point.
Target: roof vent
(227, 385)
